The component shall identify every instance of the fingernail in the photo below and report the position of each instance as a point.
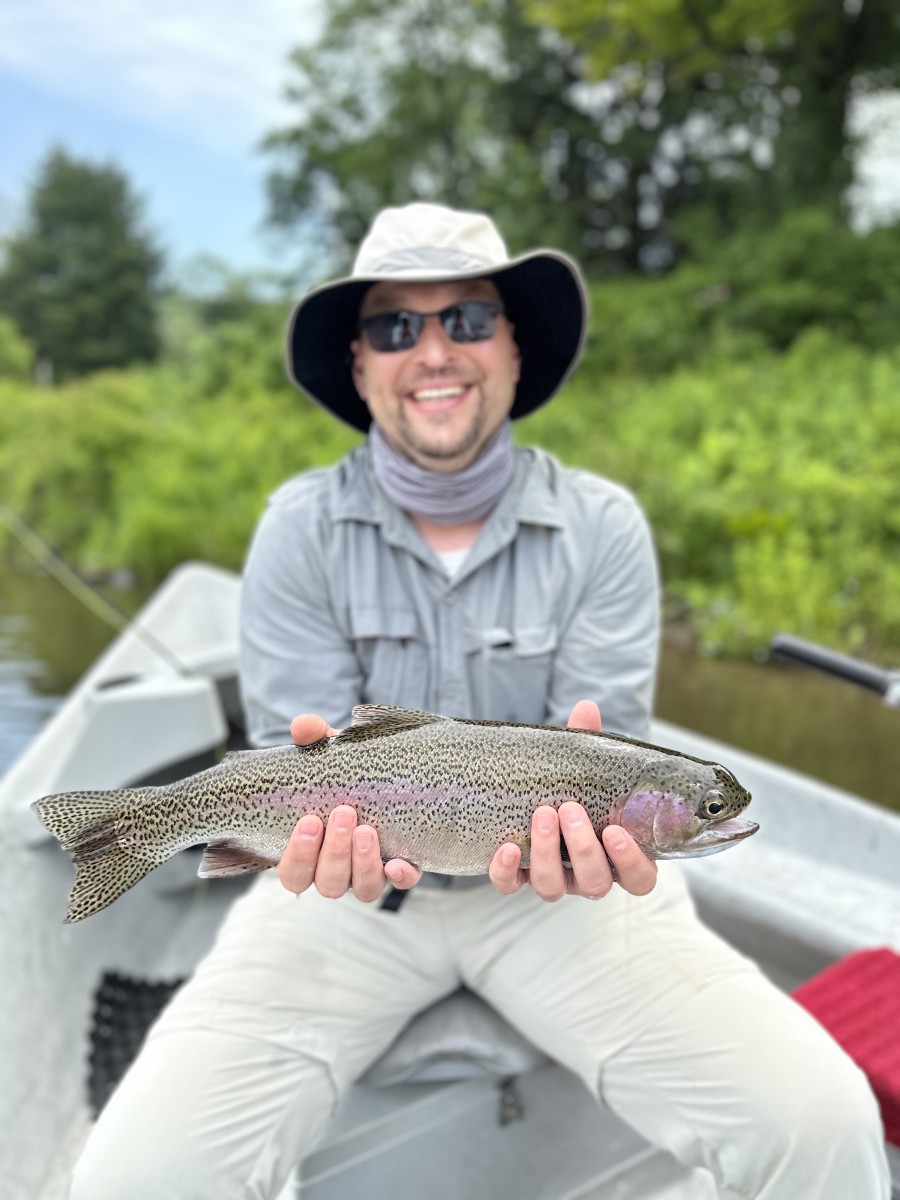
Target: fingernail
(545, 823)
(572, 818)
(508, 856)
(363, 839)
(394, 874)
(309, 828)
(615, 839)
(342, 822)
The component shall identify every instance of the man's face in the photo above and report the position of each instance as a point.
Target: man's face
(441, 401)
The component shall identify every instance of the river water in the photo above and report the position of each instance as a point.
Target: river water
(826, 728)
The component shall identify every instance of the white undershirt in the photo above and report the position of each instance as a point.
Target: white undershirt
(452, 559)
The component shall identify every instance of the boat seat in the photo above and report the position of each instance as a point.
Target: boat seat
(458, 1037)
(857, 1000)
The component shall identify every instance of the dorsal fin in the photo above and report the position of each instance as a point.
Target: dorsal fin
(375, 720)
(391, 714)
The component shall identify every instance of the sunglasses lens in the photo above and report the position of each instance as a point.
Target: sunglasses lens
(394, 331)
(469, 321)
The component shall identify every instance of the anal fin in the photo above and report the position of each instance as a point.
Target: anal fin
(229, 857)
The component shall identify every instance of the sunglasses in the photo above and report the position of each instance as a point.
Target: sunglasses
(467, 321)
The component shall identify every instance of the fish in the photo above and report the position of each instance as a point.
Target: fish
(443, 793)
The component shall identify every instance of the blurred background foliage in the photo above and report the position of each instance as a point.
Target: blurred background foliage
(742, 373)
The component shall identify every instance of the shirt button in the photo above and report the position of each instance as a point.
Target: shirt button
(450, 691)
(450, 597)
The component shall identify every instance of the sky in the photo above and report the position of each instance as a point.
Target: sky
(179, 97)
(176, 95)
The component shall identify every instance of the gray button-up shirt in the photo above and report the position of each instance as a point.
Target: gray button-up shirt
(343, 603)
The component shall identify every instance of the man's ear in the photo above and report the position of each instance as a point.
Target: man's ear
(356, 371)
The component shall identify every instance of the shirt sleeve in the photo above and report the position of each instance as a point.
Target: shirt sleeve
(294, 656)
(609, 647)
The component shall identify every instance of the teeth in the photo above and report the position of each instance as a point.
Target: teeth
(438, 393)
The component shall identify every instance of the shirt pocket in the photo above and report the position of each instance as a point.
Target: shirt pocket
(512, 670)
(391, 654)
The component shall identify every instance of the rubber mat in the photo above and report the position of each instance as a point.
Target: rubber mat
(123, 1011)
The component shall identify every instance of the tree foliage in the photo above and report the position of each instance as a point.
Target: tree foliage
(80, 279)
(782, 72)
(470, 105)
(627, 133)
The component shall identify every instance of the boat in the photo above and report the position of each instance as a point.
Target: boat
(819, 882)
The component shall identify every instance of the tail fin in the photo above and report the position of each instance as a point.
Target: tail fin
(100, 833)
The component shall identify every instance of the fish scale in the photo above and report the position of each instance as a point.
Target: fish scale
(442, 792)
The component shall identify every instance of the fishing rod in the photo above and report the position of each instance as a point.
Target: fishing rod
(55, 565)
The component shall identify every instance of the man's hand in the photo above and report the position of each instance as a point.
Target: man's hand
(593, 862)
(343, 855)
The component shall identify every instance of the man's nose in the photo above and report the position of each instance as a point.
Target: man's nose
(434, 346)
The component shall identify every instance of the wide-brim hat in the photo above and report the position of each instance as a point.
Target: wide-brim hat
(543, 293)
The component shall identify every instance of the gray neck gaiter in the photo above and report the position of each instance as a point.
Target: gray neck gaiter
(451, 498)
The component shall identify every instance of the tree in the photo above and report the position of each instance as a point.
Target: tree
(80, 279)
(469, 105)
(780, 73)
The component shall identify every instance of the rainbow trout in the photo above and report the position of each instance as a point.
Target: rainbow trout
(442, 792)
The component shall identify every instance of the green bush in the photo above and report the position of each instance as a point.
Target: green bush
(773, 486)
(16, 354)
(142, 469)
(751, 294)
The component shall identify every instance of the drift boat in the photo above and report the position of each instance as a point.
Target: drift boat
(455, 1106)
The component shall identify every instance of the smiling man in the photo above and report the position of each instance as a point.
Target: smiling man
(438, 567)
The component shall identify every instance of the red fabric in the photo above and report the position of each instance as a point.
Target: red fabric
(858, 1002)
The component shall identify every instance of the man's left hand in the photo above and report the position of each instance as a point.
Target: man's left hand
(596, 864)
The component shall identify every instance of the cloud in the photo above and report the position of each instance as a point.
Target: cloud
(215, 69)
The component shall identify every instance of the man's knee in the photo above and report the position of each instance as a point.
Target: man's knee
(820, 1131)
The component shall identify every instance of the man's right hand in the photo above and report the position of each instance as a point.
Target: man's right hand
(343, 855)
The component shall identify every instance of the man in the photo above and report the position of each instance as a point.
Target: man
(439, 568)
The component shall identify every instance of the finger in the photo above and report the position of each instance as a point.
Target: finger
(635, 872)
(592, 876)
(504, 870)
(309, 728)
(401, 873)
(546, 871)
(585, 715)
(297, 867)
(367, 871)
(334, 868)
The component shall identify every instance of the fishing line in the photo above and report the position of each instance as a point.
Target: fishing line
(56, 565)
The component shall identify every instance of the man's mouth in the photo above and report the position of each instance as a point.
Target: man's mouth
(437, 399)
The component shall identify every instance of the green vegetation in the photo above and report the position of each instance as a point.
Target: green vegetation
(750, 402)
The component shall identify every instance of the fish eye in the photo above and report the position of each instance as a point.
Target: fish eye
(713, 803)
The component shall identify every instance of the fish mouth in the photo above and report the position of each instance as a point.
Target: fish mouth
(716, 837)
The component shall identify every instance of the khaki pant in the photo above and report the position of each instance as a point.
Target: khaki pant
(666, 1024)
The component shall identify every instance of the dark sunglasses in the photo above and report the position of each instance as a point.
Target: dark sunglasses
(467, 321)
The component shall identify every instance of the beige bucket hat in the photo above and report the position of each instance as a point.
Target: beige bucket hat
(543, 292)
